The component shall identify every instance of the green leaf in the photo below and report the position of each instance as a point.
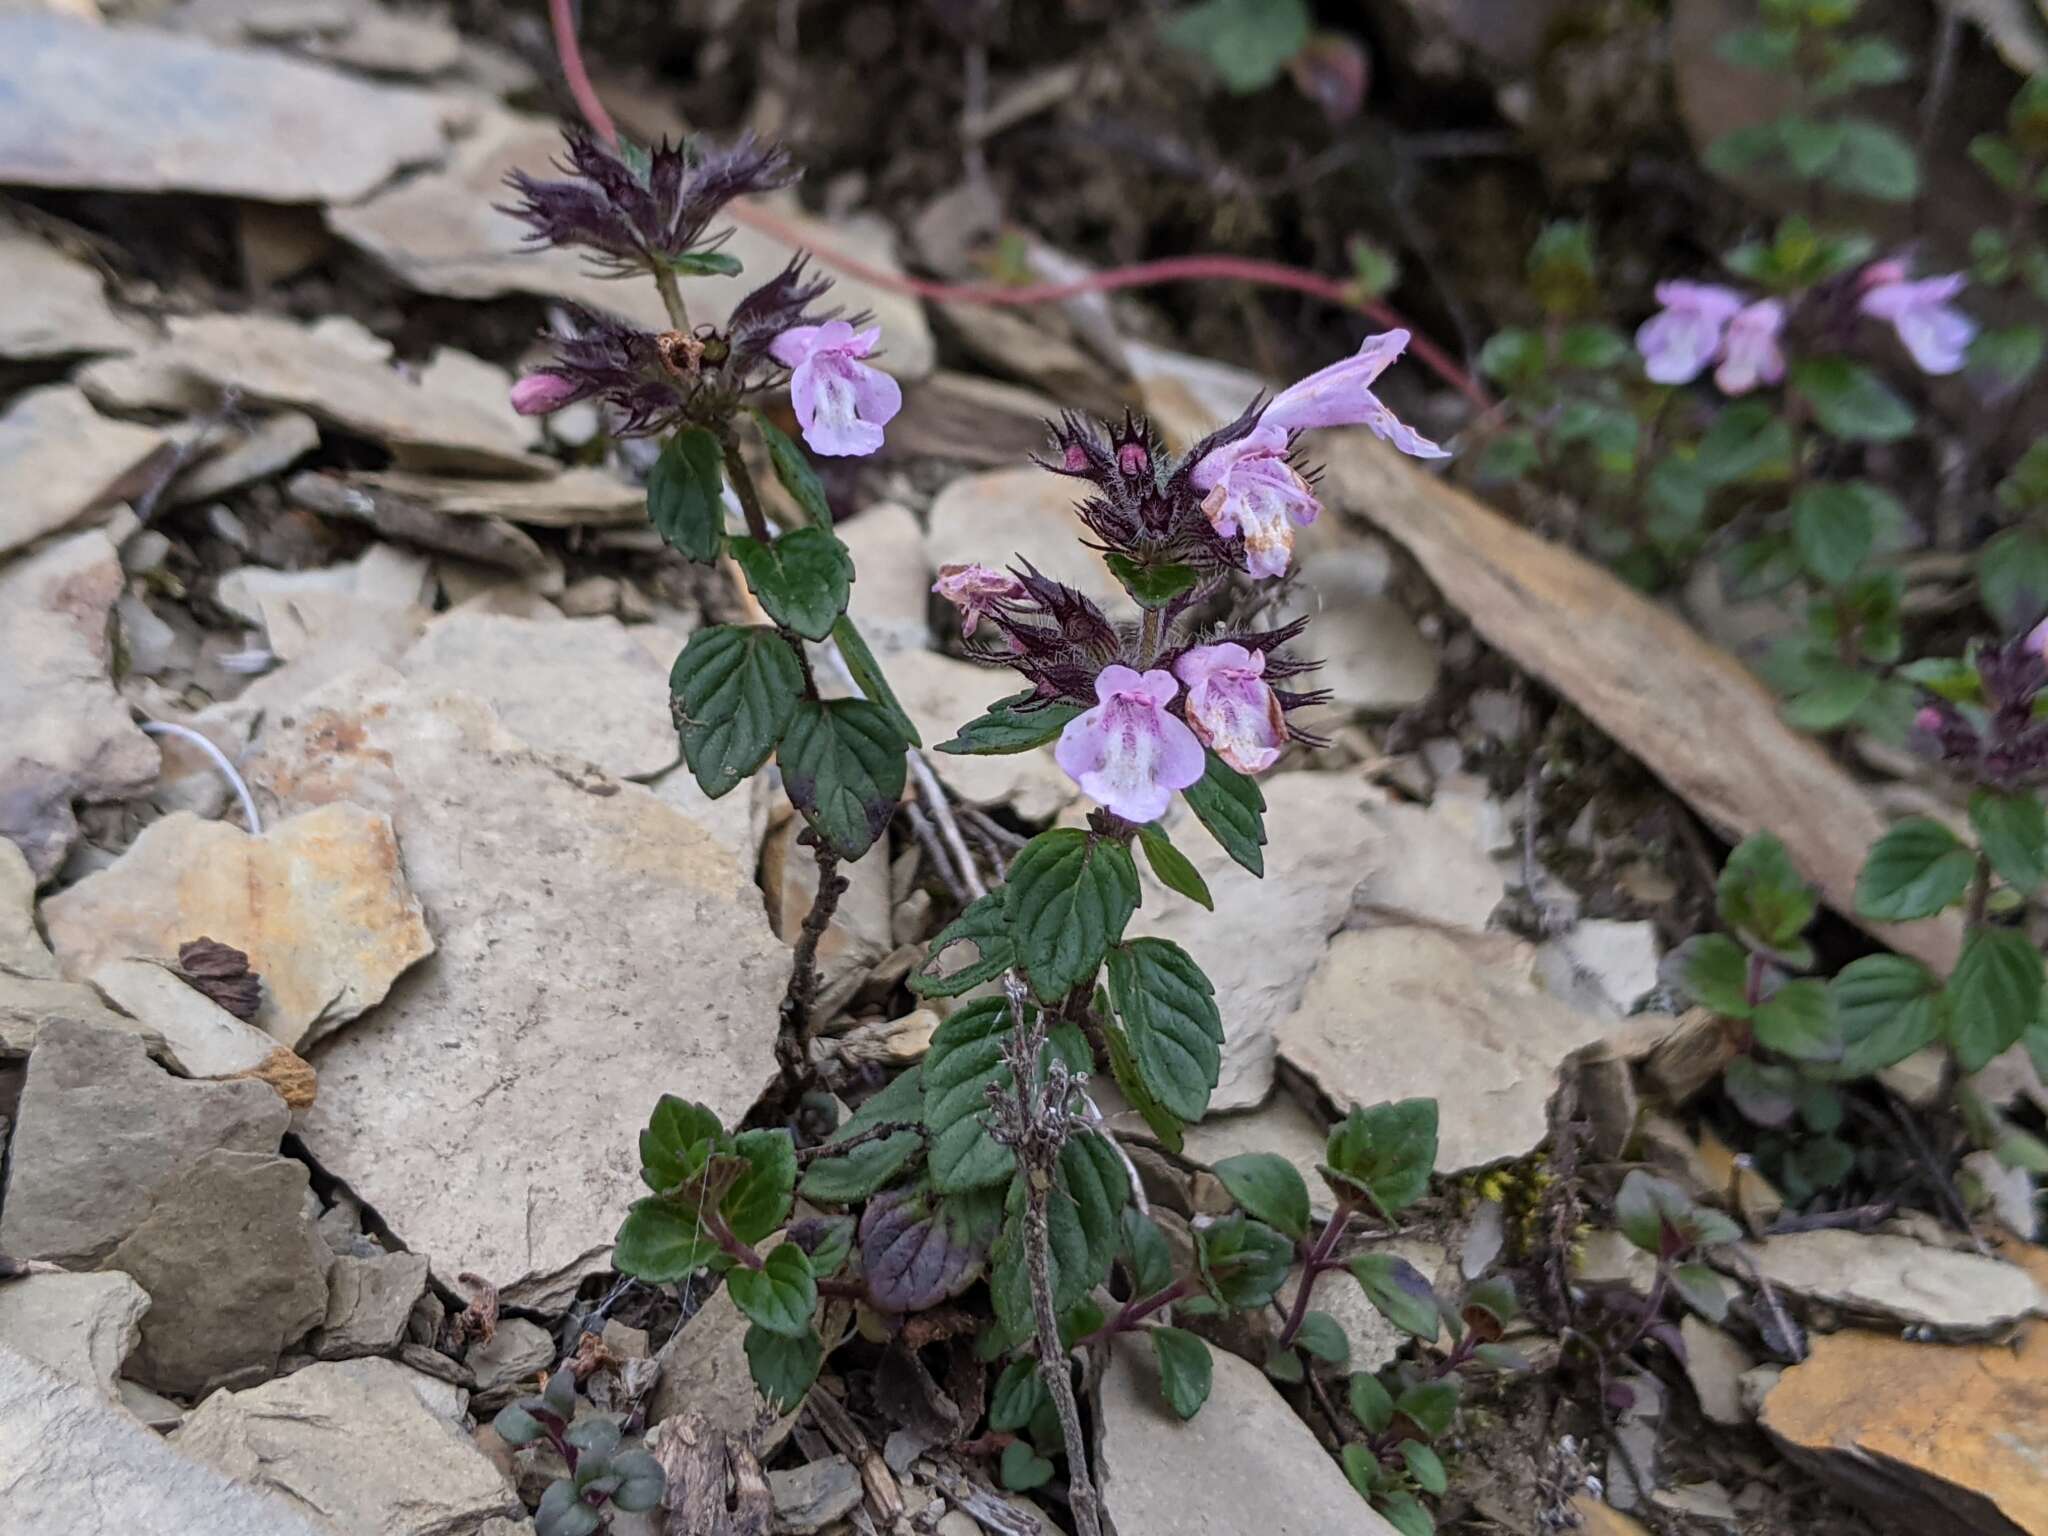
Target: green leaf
(1595, 347)
(1324, 1337)
(2026, 488)
(1184, 1370)
(1400, 1292)
(1743, 150)
(1887, 1007)
(1810, 147)
(734, 691)
(1875, 162)
(966, 1056)
(683, 499)
(843, 766)
(1230, 805)
(1761, 893)
(515, 1426)
(1151, 586)
(677, 1128)
(2012, 830)
(827, 1239)
(803, 579)
(1361, 1466)
(1405, 1513)
(1796, 1021)
(1507, 456)
(1284, 1365)
(1424, 1466)
(1007, 727)
(1243, 1262)
(1765, 1093)
(1168, 1009)
(1832, 697)
(1268, 1187)
(1700, 1288)
(781, 1295)
(1851, 401)
(1915, 870)
(1091, 1183)
(1859, 62)
(919, 1248)
(795, 472)
(759, 1201)
(1023, 1468)
(1248, 43)
(705, 264)
(1147, 1253)
(1513, 357)
(1130, 1077)
(1649, 1210)
(1430, 1406)
(644, 1482)
(2012, 577)
(868, 1167)
(1371, 1404)
(1997, 158)
(869, 677)
(982, 925)
(660, 1242)
(1069, 896)
(1018, 1396)
(562, 1512)
(1763, 49)
(2012, 354)
(1175, 870)
(1715, 973)
(1994, 994)
(1489, 1306)
(1834, 528)
(1386, 1153)
(783, 1367)
(1946, 677)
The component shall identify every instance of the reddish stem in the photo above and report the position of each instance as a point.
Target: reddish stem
(1143, 274)
(1314, 1262)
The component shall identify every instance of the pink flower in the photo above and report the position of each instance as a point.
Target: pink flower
(1680, 340)
(1750, 354)
(539, 393)
(2037, 640)
(1128, 752)
(1255, 492)
(1341, 396)
(975, 590)
(841, 403)
(1932, 329)
(1230, 707)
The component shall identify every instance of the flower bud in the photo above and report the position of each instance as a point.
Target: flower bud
(1134, 461)
(539, 393)
(1075, 459)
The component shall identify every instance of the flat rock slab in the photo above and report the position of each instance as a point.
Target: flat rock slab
(133, 1484)
(101, 1129)
(1694, 714)
(704, 1373)
(357, 1441)
(234, 1270)
(369, 1301)
(53, 306)
(1245, 1463)
(576, 498)
(81, 1326)
(32, 988)
(127, 109)
(201, 1038)
(444, 233)
(454, 415)
(60, 459)
(319, 903)
(1884, 1276)
(1934, 1437)
(1413, 1012)
(1027, 513)
(582, 687)
(597, 949)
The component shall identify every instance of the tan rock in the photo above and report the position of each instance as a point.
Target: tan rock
(545, 1004)
(704, 1371)
(268, 448)
(1026, 513)
(53, 306)
(576, 498)
(319, 903)
(1374, 1340)
(443, 233)
(1898, 1280)
(65, 734)
(1395, 1013)
(892, 594)
(1599, 1519)
(202, 1039)
(1374, 658)
(942, 694)
(1715, 1363)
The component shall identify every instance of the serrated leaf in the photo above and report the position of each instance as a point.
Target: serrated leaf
(783, 1367)
(1168, 1010)
(1231, 806)
(1876, 162)
(827, 1239)
(1243, 1262)
(2012, 574)
(1887, 1007)
(734, 690)
(794, 471)
(858, 1174)
(1184, 1370)
(1761, 893)
(759, 1200)
(1091, 1177)
(1019, 1394)
(803, 579)
(1007, 727)
(1796, 1021)
(660, 1243)
(683, 494)
(1744, 440)
(675, 1129)
(984, 926)
(1915, 870)
(843, 766)
(919, 1248)
(1068, 898)
(1851, 401)
(1400, 1292)
(1714, 970)
(1994, 994)
(1835, 528)
(965, 1057)
(1146, 1252)
(781, 1295)
(869, 677)
(1268, 1187)
(1386, 1152)
(2012, 830)
(1130, 1077)
(1174, 869)
(1371, 1404)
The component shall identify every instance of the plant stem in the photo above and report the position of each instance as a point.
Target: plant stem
(1135, 1312)
(793, 1042)
(743, 487)
(1980, 894)
(672, 297)
(1148, 637)
(1314, 1262)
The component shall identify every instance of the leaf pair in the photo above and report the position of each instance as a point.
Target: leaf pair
(714, 1193)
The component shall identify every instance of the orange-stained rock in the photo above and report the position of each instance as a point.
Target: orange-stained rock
(1953, 1438)
(1598, 1519)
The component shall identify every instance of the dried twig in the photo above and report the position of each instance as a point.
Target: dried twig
(793, 1042)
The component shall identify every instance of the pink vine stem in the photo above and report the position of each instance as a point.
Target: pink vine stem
(1143, 274)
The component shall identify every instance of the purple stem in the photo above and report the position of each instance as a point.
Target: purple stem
(1314, 1261)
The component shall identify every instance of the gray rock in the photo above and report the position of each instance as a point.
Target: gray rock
(1407, 1012)
(810, 1497)
(101, 1130)
(319, 903)
(112, 108)
(1602, 964)
(153, 1408)
(268, 448)
(201, 1038)
(32, 991)
(545, 1004)
(234, 1270)
(72, 1462)
(505, 1364)
(82, 1326)
(576, 498)
(23, 953)
(60, 459)
(1897, 1280)
(369, 1301)
(1246, 1462)
(893, 596)
(65, 734)
(704, 1371)
(53, 306)
(1374, 658)
(362, 1441)
(1715, 1364)
(445, 232)
(941, 694)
